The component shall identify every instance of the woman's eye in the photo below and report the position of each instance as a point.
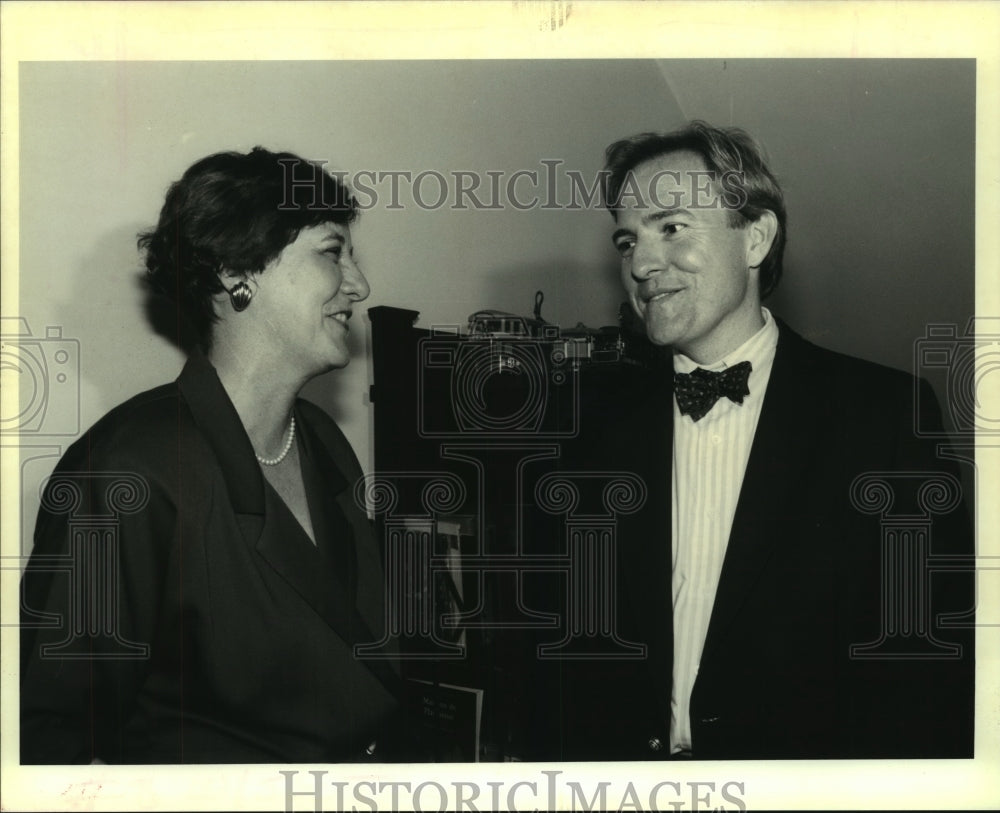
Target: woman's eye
(335, 253)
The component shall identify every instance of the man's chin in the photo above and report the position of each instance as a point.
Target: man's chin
(660, 335)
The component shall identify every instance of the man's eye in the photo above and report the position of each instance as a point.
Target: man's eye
(625, 247)
(673, 228)
(334, 252)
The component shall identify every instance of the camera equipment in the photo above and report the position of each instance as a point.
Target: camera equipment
(512, 376)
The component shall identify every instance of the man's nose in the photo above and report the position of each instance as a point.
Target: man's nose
(647, 259)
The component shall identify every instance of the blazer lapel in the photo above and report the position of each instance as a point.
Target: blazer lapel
(335, 543)
(783, 444)
(216, 417)
(324, 575)
(323, 578)
(326, 492)
(324, 482)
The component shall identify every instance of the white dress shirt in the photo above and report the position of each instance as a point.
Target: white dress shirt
(709, 460)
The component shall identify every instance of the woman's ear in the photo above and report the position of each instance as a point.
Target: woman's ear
(230, 278)
(761, 232)
(238, 288)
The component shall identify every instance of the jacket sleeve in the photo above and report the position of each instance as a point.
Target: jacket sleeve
(89, 604)
(913, 672)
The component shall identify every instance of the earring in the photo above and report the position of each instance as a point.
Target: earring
(240, 295)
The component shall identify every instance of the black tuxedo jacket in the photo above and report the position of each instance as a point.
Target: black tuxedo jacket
(210, 629)
(806, 576)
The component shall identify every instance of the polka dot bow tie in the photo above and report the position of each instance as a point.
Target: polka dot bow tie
(698, 390)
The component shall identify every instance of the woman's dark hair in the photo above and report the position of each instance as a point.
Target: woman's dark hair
(235, 212)
(728, 152)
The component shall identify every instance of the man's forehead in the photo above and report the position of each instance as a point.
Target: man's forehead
(674, 183)
(679, 162)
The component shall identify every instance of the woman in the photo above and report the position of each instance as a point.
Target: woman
(198, 549)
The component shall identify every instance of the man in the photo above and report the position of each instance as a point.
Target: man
(782, 617)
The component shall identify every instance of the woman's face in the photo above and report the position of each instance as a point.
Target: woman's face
(304, 299)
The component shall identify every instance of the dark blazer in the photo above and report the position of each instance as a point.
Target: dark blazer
(803, 580)
(175, 611)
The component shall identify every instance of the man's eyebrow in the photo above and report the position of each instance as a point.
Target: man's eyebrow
(652, 217)
(332, 237)
(663, 214)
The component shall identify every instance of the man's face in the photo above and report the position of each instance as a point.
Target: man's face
(687, 272)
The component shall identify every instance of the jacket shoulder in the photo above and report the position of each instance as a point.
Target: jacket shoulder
(846, 373)
(857, 391)
(141, 434)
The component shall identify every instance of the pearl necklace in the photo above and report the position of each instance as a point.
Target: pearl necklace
(274, 461)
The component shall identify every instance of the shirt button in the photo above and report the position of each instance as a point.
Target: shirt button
(655, 744)
(716, 439)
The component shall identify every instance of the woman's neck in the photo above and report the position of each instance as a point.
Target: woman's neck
(262, 393)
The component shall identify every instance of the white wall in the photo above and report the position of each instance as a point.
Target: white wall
(100, 143)
(876, 159)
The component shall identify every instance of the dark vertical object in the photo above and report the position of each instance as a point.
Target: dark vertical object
(468, 428)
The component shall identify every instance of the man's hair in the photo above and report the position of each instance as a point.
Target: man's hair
(729, 153)
(235, 212)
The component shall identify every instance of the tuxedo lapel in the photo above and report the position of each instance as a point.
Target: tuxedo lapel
(783, 444)
(645, 536)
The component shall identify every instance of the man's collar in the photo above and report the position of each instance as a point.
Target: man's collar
(755, 349)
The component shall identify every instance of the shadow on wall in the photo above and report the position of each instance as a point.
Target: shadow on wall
(163, 316)
(95, 350)
(106, 309)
